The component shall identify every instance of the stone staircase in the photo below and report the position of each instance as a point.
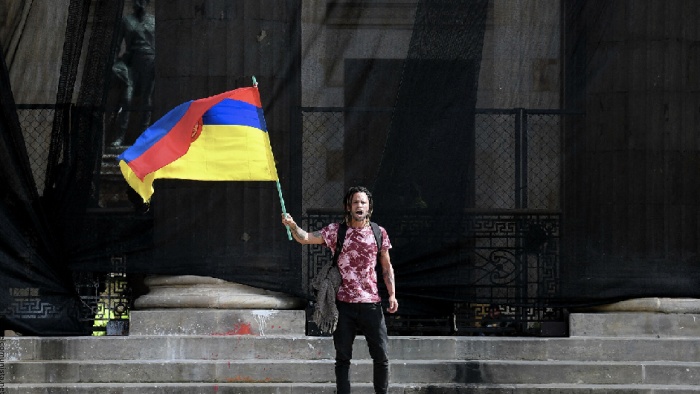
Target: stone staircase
(210, 351)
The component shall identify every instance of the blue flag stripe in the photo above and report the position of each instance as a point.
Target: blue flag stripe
(235, 113)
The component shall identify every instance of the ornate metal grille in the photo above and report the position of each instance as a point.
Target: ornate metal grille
(508, 259)
(27, 303)
(106, 299)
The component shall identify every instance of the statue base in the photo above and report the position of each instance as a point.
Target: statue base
(654, 317)
(196, 305)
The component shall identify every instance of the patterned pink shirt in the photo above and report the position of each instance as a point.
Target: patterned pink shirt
(356, 262)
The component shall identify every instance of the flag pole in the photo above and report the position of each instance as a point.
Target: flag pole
(284, 210)
(279, 186)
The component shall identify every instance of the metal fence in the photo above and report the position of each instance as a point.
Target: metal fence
(36, 121)
(509, 240)
(517, 157)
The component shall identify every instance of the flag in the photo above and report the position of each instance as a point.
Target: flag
(218, 138)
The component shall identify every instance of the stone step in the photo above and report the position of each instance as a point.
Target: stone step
(209, 352)
(329, 388)
(242, 347)
(321, 371)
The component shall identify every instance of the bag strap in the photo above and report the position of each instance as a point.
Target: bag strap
(340, 238)
(377, 237)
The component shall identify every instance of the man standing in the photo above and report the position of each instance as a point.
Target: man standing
(358, 300)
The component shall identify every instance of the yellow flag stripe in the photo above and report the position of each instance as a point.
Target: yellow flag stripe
(145, 188)
(225, 153)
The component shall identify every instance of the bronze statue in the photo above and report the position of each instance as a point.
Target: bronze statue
(136, 66)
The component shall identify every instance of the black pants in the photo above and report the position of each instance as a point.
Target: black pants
(369, 319)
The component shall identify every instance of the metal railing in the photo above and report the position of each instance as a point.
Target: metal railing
(517, 163)
(508, 259)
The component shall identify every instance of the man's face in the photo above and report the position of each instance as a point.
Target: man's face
(359, 206)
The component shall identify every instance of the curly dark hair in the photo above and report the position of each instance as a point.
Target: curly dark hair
(347, 201)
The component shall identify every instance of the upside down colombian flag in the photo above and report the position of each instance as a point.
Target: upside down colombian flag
(218, 138)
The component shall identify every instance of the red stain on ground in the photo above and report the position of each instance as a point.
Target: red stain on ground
(242, 329)
(238, 329)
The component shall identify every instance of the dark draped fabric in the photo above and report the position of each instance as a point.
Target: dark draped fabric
(427, 165)
(36, 293)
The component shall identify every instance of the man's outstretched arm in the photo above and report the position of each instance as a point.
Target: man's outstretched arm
(299, 234)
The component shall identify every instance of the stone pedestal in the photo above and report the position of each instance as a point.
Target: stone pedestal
(189, 291)
(196, 305)
(657, 317)
(649, 305)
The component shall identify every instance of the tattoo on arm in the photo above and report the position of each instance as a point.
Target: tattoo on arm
(389, 281)
(298, 233)
(389, 277)
(316, 234)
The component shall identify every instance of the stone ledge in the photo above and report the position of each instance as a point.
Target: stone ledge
(652, 316)
(649, 304)
(634, 324)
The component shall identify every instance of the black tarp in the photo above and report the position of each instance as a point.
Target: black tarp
(525, 154)
(37, 293)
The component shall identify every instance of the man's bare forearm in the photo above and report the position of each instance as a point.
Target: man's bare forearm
(298, 233)
(389, 281)
(301, 235)
(390, 284)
